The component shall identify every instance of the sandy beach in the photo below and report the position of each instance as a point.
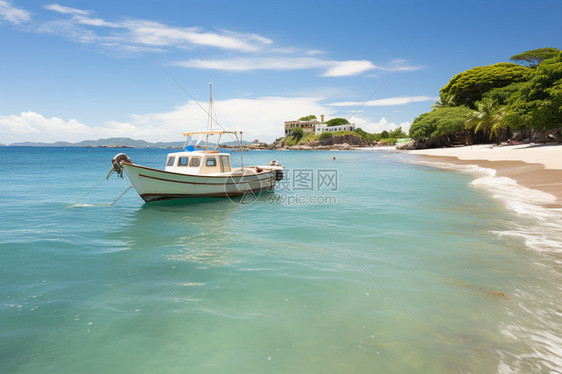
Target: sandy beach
(532, 165)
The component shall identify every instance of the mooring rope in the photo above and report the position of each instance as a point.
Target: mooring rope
(90, 190)
(87, 192)
(127, 189)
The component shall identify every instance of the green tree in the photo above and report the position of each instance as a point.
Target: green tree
(445, 100)
(365, 135)
(297, 134)
(534, 57)
(468, 87)
(397, 133)
(308, 118)
(488, 119)
(337, 122)
(502, 95)
(441, 122)
(538, 103)
(425, 124)
(325, 135)
(384, 135)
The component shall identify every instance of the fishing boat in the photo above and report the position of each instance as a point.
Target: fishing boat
(199, 173)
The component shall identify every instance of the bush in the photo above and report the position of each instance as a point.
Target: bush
(310, 137)
(307, 118)
(440, 122)
(388, 141)
(298, 134)
(325, 135)
(365, 135)
(337, 121)
(469, 86)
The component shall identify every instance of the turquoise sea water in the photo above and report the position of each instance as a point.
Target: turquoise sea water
(398, 267)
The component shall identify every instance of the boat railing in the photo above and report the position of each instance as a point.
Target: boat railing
(219, 133)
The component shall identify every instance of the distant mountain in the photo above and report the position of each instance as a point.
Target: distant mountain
(110, 142)
(38, 144)
(115, 142)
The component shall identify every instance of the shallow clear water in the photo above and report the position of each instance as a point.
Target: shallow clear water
(395, 268)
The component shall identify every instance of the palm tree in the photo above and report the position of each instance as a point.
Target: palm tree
(488, 118)
(445, 100)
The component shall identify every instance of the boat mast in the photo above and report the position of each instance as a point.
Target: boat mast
(241, 151)
(210, 113)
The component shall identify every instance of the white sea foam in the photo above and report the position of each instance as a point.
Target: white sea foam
(85, 205)
(542, 230)
(474, 169)
(544, 355)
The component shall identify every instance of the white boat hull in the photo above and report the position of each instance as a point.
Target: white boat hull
(153, 184)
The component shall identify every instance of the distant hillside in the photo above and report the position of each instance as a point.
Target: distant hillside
(113, 142)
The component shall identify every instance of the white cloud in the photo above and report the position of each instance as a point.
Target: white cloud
(95, 22)
(34, 127)
(154, 33)
(128, 33)
(333, 68)
(391, 101)
(348, 68)
(256, 63)
(12, 14)
(260, 118)
(401, 65)
(31, 126)
(314, 52)
(379, 126)
(291, 60)
(66, 10)
(70, 31)
(130, 36)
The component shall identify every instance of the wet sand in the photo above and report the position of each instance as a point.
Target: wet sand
(534, 166)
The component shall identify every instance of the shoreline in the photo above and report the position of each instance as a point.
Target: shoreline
(531, 166)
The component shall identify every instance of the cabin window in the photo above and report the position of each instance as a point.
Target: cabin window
(225, 166)
(182, 161)
(211, 161)
(195, 162)
(171, 160)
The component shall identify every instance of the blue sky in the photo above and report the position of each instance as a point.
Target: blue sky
(74, 70)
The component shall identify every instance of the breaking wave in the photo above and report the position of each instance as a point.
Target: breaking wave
(541, 225)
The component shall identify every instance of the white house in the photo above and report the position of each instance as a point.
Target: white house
(322, 127)
(306, 126)
(313, 126)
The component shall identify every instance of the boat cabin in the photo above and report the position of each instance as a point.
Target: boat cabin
(198, 162)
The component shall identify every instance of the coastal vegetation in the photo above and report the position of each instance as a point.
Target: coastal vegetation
(445, 123)
(468, 87)
(535, 57)
(382, 138)
(299, 137)
(326, 138)
(494, 102)
(308, 118)
(487, 119)
(337, 122)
